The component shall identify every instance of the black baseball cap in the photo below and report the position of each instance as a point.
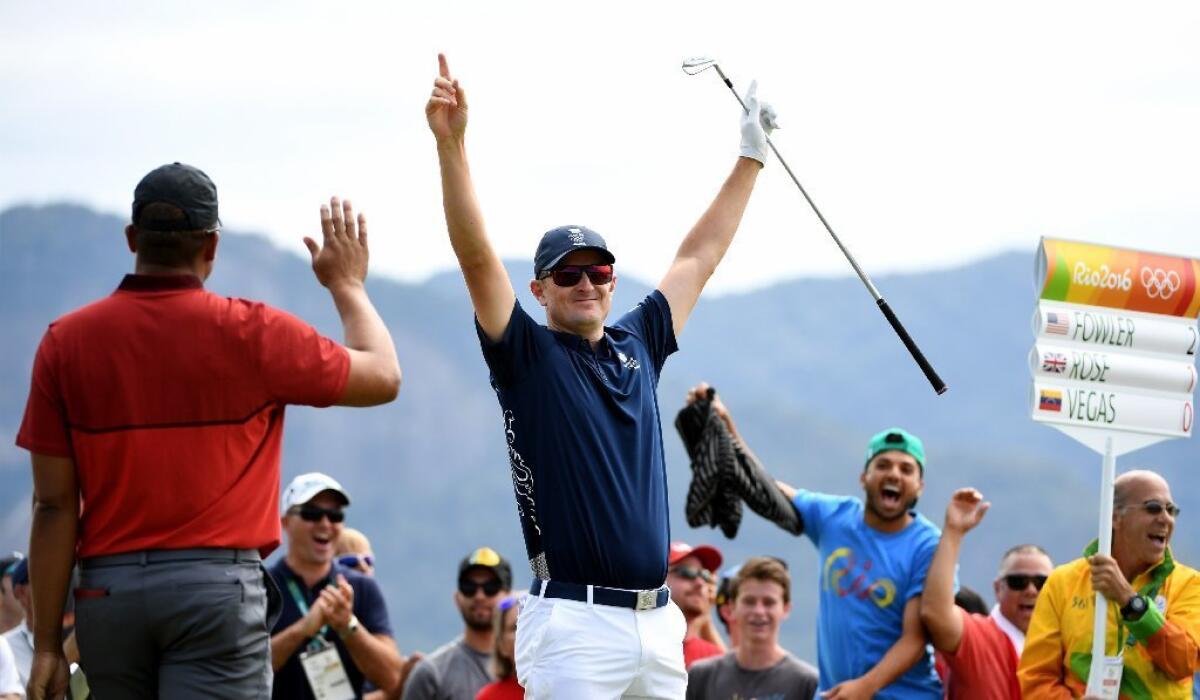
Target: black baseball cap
(20, 573)
(558, 242)
(182, 186)
(487, 558)
(8, 562)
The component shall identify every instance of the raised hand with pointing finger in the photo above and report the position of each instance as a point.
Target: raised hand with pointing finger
(446, 110)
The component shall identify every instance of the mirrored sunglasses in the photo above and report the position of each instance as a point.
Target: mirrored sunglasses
(569, 275)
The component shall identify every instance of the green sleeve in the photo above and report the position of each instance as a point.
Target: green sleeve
(1151, 622)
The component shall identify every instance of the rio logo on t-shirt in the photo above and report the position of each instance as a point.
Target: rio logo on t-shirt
(845, 575)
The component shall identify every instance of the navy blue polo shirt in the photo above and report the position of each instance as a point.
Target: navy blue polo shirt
(369, 608)
(585, 445)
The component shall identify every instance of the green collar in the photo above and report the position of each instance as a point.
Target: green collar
(1158, 575)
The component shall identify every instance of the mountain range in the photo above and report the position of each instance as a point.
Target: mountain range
(808, 367)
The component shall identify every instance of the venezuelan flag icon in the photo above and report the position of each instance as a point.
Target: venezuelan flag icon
(1050, 401)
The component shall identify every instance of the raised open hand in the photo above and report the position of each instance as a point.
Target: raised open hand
(446, 110)
(966, 510)
(343, 256)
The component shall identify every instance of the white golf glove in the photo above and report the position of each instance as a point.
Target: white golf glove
(758, 121)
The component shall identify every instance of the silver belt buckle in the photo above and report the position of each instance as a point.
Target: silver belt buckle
(647, 600)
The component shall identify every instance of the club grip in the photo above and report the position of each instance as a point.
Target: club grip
(938, 385)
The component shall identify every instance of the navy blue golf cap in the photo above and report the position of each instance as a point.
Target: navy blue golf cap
(557, 243)
(184, 187)
(20, 573)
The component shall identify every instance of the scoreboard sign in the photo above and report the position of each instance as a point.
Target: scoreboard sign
(1116, 340)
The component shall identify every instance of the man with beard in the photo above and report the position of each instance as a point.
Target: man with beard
(1153, 640)
(690, 578)
(981, 651)
(333, 615)
(459, 669)
(874, 557)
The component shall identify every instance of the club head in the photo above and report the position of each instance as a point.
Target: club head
(699, 64)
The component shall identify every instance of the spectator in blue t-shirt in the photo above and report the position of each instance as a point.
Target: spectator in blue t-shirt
(326, 606)
(582, 423)
(874, 554)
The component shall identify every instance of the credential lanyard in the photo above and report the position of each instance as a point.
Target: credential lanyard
(317, 642)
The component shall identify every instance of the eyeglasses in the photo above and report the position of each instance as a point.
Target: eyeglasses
(1157, 507)
(1019, 582)
(313, 514)
(569, 275)
(355, 561)
(490, 587)
(689, 573)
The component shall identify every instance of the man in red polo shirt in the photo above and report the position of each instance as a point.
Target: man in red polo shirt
(981, 651)
(154, 421)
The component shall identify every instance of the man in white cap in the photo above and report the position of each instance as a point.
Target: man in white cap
(333, 632)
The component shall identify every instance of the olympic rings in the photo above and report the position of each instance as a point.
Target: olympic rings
(1160, 284)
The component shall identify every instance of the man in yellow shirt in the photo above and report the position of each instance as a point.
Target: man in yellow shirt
(1154, 606)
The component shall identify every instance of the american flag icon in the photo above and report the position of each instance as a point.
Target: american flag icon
(1057, 323)
(1054, 362)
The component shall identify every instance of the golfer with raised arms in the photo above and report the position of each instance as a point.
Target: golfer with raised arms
(582, 424)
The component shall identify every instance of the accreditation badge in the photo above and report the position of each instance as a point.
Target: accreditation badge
(1110, 677)
(326, 676)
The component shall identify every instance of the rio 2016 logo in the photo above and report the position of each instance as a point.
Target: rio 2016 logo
(1160, 284)
(1103, 278)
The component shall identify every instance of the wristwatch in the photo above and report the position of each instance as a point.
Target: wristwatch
(1134, 609)
(349, 629)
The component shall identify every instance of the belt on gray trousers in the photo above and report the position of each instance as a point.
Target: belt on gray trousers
(615, 597)
(161, 556)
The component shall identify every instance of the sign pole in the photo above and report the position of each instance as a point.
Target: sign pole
(1100, 624)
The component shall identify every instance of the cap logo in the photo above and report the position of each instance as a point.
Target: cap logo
(576, 236)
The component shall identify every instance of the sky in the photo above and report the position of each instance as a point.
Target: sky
(929, 133)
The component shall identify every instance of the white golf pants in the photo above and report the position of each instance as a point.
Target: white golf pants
(581, 651)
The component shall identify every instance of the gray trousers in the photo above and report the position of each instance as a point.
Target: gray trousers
(190, 623)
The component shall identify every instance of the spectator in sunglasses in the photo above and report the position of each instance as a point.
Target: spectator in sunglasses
(353, 550)
(693, 588)
(326, 605)
(1153, 604)
(459, 669)
(980, 652)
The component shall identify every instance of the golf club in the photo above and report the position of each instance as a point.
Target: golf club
(692, 66)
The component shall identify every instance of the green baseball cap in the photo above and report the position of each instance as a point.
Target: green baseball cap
(897, 439)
